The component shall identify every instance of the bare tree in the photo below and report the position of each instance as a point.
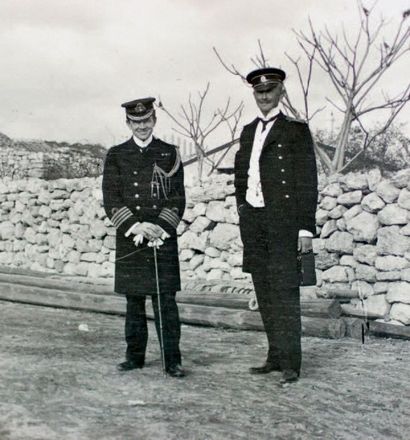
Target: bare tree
(355, 66)
(350, 66)
(190, 123)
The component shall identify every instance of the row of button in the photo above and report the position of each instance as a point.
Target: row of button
(287, 196)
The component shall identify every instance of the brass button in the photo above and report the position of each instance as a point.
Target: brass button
(279, 145)
(287, 196)
(282, 170)
(138, 208)
(135, 183)
(283, 182)
(135, 173)
(280, 157)
(137, 196)
(154, 206)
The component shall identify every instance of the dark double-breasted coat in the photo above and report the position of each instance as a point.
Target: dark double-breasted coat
(289, 185)
(144, 185)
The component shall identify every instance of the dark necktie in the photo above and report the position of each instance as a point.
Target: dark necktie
(266, 122)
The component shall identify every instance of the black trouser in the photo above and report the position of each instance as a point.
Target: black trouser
(275, 279)
(136, 330)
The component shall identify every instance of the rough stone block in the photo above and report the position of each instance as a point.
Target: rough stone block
(391, 263)
(340, 242)
(328, 228)
(215, 211)
(402, 178)
(350, 198)
(363, 227)
(223, 235)
(401, 312)
(399, 292)
(337, 212)
(374, 177)
(364, 288)
(365, 273)
(328, 203)
(332, 190)
(387, 191)
(376, 305)
(200, 224)
(391, 242)
(365, 254)
(393, 215)
(393, 275)
(352, 212)
(354, 181)
(372, 203)
(336, 274)
(404, 199)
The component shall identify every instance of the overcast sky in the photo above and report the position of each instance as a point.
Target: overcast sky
(67, 65)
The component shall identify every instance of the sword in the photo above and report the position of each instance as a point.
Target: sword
(161, 330)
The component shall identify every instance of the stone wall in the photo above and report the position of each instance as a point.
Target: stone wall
(364, 242)
(363, 233)
(20, 164)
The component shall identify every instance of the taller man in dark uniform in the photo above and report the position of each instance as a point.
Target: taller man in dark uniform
(144, 197)
(276, 194)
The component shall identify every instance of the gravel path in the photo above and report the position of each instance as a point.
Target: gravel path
(58, 382)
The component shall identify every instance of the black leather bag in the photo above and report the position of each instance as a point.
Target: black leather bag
(306, 267)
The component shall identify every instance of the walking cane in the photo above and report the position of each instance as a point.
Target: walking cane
(161, 330)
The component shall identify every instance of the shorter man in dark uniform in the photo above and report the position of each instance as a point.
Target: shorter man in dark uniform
(276, 194)
(144, 197)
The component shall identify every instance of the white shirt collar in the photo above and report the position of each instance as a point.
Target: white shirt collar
(141, 143)
(271, 114)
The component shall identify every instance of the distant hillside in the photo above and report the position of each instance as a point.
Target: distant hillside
(95, 150)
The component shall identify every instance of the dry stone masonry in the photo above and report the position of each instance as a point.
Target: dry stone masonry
(363, 239)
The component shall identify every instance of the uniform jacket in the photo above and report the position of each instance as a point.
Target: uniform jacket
(144, 186)
(288, 178)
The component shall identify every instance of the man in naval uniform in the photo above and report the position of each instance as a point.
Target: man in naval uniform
(276, 195)
(144, 197)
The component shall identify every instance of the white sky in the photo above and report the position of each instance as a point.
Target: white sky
(67, 65)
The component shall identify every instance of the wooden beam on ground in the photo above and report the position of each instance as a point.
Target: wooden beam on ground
(56, 282)
(352, 310)
(189, 313)
(337, 293)
(387, 330)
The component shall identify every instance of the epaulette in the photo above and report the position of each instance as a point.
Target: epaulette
(290, 119)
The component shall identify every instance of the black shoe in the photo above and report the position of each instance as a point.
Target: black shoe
(289, 376)
(175, 371)
(267, 367)
(129, 365)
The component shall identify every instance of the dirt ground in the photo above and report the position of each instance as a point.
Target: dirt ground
(58, 382)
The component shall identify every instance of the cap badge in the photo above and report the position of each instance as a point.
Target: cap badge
(139, 108)
(263, 79)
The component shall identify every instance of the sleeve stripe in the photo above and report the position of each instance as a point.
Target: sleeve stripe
(121, 216)
(169, 220)
(170, 217)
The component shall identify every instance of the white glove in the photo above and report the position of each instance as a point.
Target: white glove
(138, 239)
(155, 243)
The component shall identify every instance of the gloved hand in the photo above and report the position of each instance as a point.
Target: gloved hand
(138, 239)
(157, 242)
